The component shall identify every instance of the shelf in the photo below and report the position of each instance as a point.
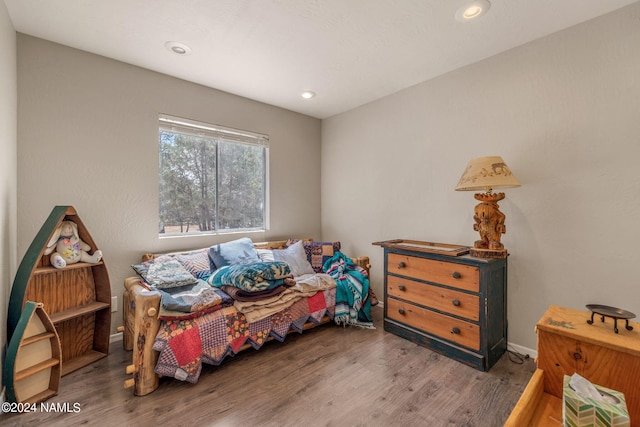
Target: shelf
(31, 370)
(78, 311)
(76, 363)
(49, 270)
(37, 338)
(77, 297)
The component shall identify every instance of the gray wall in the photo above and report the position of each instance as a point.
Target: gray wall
(88, 133)
(8, 167)
(563, 113)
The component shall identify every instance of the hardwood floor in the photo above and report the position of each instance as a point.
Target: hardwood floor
(329, 376)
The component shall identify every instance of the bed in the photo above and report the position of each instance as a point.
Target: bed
(233, 307)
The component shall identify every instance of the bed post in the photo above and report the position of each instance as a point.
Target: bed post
(363, 261)
(143, 306)
(128, 319)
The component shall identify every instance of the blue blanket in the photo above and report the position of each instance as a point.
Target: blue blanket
(353, 306)
(188, 302)
(258, 276)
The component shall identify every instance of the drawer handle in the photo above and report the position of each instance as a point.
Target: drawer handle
(456, 303)
(456, 275)
(455, 330)
(401, 287)
(577, 356)
(401, 264)
(401, 310)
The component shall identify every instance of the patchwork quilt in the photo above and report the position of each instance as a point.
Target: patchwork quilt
(187, 343)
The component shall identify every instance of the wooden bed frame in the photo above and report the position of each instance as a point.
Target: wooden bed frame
(141, 325)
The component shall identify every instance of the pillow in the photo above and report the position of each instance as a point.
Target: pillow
(295, 256)
(164, 273)
(239, 251)
(319, 252)
(265, 255)
(141, 269)
(195, 262)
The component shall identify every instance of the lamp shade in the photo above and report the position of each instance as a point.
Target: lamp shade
(487, 173)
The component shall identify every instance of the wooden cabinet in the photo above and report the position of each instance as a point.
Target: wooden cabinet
(455, 305)
(568, 344)
(76, 297)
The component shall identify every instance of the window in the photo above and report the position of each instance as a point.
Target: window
(212, 179)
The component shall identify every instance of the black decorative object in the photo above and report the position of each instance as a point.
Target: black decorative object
(613, 312)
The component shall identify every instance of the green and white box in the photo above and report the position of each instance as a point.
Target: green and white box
(580, 411)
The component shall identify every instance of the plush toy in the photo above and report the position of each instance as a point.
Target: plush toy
(69, 248)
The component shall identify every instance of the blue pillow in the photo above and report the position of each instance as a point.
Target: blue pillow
(239, 251)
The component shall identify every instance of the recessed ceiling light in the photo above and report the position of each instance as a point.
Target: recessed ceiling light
(308, 94)
(472, 10)
(178, 48)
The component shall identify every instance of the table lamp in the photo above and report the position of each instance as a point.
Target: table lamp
(486, 174)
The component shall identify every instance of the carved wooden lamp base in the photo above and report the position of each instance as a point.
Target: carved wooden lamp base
(488, 253)
(489, 221)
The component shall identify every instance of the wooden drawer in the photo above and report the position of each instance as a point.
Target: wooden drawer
(567, 344)
(451, 274)
(559, 355)
(442, 299)
(536, 407)
(466, 334)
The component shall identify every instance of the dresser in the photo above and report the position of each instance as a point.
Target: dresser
(455, 305)
(568, 344)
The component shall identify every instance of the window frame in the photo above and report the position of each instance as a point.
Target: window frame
(179, 125)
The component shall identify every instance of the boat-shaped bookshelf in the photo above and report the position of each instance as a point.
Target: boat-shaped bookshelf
(76, 297)
(33, 362)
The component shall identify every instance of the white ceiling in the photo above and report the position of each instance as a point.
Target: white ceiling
(350, 52)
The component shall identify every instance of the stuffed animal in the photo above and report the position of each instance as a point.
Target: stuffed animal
(69, 248)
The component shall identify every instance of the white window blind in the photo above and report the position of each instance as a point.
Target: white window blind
(195, 128)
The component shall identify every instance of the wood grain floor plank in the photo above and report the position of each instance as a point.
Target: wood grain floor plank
(329, 376)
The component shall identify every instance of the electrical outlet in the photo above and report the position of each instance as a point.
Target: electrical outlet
(114, 304)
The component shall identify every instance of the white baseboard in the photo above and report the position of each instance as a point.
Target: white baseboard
(522, 350)
(115, 337)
